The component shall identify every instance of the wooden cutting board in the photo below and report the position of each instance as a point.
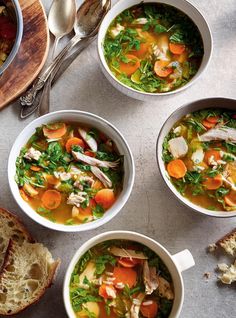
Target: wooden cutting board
(31, 56)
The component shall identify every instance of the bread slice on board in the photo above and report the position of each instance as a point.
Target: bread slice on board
(27, 271)
(11, 228)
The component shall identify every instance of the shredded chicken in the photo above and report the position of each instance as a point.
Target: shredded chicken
(150, 278)
(88, 139)
(64, 176)
(135, 308)
(32, 154)
(95, 162)
(121, 252)
(84, 179)
(77, 198)
(165, 289)
(102, 177)
(221, 133)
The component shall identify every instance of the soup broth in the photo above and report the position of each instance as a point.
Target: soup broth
(7, 33)
(69, 173)
(113, 280)
(200, 157)
(153, 48)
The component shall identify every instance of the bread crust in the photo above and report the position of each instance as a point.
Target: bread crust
(231, 235)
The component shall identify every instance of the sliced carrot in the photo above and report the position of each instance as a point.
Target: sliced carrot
(130, 67)
(74, 141)
(230, 199)
(127, 276)
(213, 183)
(161, 69)
(56, 130)
(24, 195)
(176, 168)
(207, 124)
(105, 198)
(142, 51)
(176, 48)
(105, 290)
(51, 179)
(35, 168)
(150, 310)
(98, 185)
(90, 153)
(128, 262)
(213, 119)
(210, 153)
(51, 199)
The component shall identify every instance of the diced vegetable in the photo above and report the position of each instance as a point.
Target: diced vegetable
(149, 309)
(130, 65)
(74, 142)
(176, 168)
(105, 198)
(176, 48)
(213, 183)
(51, 199)
(161, 68)
(54, 131)
(127, 276)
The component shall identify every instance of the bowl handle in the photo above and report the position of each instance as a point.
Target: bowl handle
(183, 260)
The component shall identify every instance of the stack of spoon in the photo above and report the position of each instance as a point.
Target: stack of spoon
(62, 19)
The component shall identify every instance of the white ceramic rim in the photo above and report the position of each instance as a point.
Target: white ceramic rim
(213, 102)
(112, 212)
(133, 236)
(135, 93)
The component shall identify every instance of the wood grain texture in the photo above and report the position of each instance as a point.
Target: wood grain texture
(31, 56)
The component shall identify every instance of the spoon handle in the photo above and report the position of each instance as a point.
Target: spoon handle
(26, 111)
(44, 103)
(28, 98)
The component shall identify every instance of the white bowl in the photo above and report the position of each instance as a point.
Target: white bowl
(189, 9)
(176, 264)
(218, 102)
(93, 121)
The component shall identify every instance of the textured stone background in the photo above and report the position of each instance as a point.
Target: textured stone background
(151, 210)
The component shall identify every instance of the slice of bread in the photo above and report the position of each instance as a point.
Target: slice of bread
(27, 272)
(11, 228)
(228, 243)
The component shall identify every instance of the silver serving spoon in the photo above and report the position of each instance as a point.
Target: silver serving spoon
(88, 16)
(61, 19)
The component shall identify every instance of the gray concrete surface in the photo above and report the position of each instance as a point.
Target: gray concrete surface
(152, 209)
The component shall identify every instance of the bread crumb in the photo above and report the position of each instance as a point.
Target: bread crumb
(211, 248)
(229, 273)
(207, 275)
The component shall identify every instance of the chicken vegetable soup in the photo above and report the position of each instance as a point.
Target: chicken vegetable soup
(69, 173)
(200, 157)
(120, 278)
(153, 48)
(7, 34)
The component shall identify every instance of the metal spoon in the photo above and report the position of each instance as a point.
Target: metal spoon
(61, 19)
(88, 16)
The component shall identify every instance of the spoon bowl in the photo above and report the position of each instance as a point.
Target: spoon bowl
(61, 17)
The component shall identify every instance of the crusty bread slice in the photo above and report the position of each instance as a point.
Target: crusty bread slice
(11, 228)
(228, 243)
(27, 272)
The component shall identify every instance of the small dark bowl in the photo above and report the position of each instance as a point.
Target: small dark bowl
(15, 12)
